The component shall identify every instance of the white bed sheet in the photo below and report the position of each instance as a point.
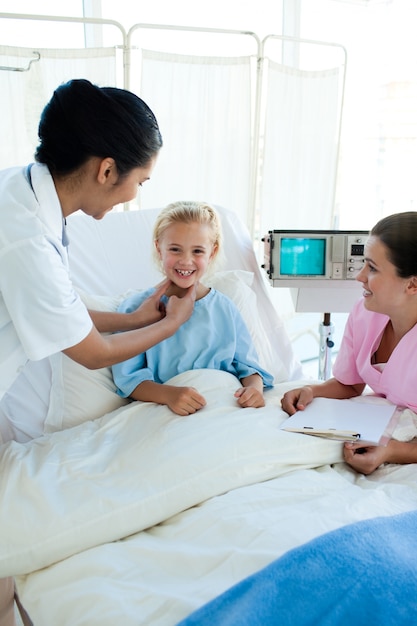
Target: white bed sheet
(161, 575)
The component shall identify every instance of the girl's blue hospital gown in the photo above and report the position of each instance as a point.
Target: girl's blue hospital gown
(214, 337)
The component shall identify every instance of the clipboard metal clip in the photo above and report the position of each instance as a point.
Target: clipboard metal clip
(350, 435)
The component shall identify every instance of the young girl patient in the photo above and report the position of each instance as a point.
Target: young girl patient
(187, 238)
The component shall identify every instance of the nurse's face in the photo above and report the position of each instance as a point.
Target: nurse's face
(383, 290)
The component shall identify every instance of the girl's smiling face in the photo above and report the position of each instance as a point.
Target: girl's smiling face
(186, 251)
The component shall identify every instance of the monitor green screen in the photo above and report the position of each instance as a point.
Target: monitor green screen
(302, 256)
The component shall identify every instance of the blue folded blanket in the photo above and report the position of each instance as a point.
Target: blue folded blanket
(364, 574)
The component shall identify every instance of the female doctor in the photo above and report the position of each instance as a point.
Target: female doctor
(97, 146)
(380, 339)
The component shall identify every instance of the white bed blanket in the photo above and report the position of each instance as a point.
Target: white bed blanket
(138, 466)
(159, 576)
(141, 516)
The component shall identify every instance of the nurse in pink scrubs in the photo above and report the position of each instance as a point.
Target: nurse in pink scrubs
(379, 344)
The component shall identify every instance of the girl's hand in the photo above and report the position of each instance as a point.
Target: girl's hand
(296, 399)
(249, 397)
(364, 459)
(183, 400)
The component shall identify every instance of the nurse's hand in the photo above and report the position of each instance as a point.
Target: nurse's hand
(365, 459)
(296, 399)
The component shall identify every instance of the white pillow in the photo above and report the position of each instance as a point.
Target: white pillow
(79, 394)
(236, 284)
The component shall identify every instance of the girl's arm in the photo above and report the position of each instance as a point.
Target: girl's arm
(181, 400)
(251, 394)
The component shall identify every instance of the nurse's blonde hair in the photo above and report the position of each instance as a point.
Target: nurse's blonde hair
(189, 212)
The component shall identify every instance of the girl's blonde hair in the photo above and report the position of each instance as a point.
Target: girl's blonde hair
(188, 212)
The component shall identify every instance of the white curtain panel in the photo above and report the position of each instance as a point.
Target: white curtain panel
(203, 106)
(300, 148)
(25, 93)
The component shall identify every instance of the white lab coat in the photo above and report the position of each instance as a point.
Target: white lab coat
(40, 312)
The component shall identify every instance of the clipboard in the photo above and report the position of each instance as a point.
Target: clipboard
(367, 419)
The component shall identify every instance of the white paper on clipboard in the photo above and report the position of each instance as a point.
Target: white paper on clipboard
(367, 419)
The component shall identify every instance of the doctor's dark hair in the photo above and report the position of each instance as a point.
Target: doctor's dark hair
(82, 120)
(398, 233)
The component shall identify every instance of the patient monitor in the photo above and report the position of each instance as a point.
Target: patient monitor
(319, 267)
(314, 254)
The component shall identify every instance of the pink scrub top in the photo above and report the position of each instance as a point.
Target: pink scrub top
(398, 379)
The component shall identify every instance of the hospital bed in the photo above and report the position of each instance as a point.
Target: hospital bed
(124, 513)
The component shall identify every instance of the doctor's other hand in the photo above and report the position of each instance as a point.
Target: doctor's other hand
(178, 310)
(152, 309)
(296, 399)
